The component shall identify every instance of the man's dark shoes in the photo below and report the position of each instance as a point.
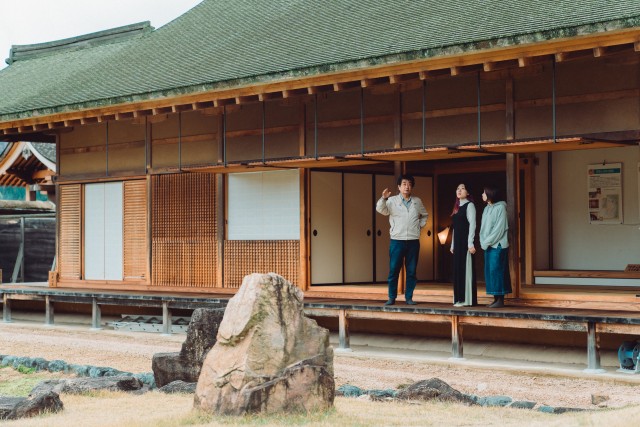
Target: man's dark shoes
(390, 302)
(410, 302)
(499, 302)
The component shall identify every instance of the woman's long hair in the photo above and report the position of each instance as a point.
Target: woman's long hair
(456, 205)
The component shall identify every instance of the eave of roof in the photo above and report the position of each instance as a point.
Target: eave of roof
(422, 57)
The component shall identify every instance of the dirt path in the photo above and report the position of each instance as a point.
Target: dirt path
(133, 352)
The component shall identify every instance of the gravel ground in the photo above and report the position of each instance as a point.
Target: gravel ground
(133, 352)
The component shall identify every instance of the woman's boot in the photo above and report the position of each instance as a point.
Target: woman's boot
(495, 299)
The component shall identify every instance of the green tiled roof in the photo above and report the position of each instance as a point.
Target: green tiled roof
(229, 43)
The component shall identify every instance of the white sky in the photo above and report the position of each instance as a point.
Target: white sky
(37, 21)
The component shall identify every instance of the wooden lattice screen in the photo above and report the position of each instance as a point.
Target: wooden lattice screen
(184, 230)
(135, 230)
(70, 212)
(242, 257)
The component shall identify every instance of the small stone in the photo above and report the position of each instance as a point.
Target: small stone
(495, 401)
(348, 390)
(597, 399)
(522, 404)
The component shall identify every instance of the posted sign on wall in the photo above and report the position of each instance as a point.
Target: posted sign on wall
(605, 193)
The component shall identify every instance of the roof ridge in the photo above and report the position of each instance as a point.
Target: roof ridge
(117, 34)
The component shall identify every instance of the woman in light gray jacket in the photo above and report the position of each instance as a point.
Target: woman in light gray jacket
(493, 240)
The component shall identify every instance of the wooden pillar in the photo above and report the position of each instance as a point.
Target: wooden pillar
(6, 308)
(529, 220)
(456, 338)
(166, 318)
(304, 273)
(96, 314)
(220, 197)
(510, 131)
(48, 310)
(343, 330)
(593, 350)
(512, 216)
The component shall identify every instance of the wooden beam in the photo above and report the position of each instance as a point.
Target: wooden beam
(524, 61)
(598, 52)
(338, 87)
(423, 75)
(312, 90)
(365, 83)
(560, 56)
(488, 66)
(636, 46)
(455, 70)
(286, 93)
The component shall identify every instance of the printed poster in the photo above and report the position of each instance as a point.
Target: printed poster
(605, 193)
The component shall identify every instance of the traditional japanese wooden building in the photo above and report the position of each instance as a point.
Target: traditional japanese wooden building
(252, 136)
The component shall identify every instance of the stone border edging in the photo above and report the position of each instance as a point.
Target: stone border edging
(40, 364)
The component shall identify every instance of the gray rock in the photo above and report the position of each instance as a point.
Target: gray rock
(522, 404)
(147, 379)
(381, 394)
(186, 364)
(348, 390)
(35, 405)
(494, 401)
(269, 357)
(57, 366)
(178, 387)
(47, 386)
(558, 410)
(84, 385)
(597, 399)
(7, 404)
(433, 389)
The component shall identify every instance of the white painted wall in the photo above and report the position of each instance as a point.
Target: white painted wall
(579, 245)
(264, 205)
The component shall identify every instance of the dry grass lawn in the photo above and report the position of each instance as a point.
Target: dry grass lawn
(155, 409)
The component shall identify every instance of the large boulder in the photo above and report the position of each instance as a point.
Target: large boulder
(268, 356)
(185, 365)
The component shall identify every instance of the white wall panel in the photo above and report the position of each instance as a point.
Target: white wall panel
(264, 206)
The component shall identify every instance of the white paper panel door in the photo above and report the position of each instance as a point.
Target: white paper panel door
(113, 231)
(103, 231)
(94, 231)
(382, 227)
(358, 228)
(424, 190)
(326, 227)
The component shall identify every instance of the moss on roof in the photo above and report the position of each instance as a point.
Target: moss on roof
(232, 43)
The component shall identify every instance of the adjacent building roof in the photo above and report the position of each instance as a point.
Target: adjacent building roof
(233, 43)
(25, 163)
